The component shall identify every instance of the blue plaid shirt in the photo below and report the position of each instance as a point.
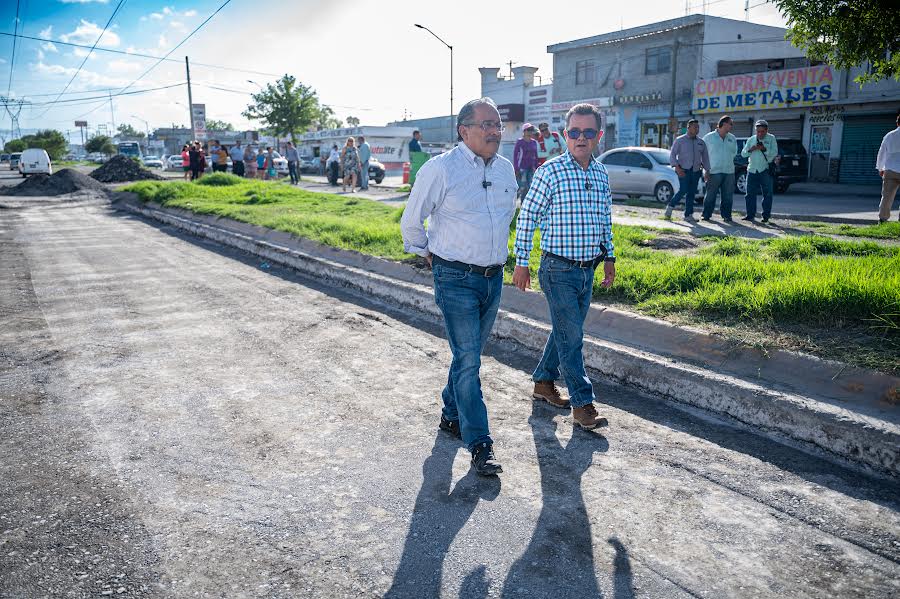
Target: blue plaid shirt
(575, 222)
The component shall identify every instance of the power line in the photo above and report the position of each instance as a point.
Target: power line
(133, 54)
(200, 26)
(99, 37)
(12, 62)
(77, 101)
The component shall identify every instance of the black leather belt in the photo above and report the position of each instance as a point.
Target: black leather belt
(593, 263)
(487, 271)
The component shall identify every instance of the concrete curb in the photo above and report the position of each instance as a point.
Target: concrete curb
(867, 435)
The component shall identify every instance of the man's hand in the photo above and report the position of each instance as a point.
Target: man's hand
(706, 176)
(679, 171)
(881, 173)
(609, 274)
(428, 259)
(522, 278)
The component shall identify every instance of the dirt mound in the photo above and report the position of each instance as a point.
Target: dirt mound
(65, 181)
(119, 169)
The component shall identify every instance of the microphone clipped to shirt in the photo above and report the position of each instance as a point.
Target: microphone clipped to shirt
(486, 184)
(587, 185)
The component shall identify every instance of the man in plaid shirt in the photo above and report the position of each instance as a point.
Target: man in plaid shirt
(571, 202)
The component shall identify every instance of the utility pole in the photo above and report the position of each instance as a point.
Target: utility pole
(674, 87)
(187, 67)
(111, 113)
(449, 47)
(746, 10)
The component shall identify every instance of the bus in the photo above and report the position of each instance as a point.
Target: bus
(130, 148)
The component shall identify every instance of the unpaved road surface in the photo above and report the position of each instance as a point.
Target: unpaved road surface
(179, 420)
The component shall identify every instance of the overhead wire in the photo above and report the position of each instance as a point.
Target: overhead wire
(12, 62)
(87, 56)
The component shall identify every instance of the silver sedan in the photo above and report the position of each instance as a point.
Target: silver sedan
(642, 171)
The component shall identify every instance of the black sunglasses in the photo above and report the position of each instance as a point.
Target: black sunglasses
(576, 133)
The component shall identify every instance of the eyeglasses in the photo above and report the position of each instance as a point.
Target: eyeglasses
(487, 125)
(576, 133)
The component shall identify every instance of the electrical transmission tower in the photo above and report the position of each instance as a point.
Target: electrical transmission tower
(13, 107)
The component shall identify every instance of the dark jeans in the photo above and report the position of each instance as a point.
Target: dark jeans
(292, 171)
(220, 168)
(333, 170)
(195, 171)
(756, 183)
(237, 168)
(568, 289)
(725, 183)
(469, 302)
(687, 186)
(525, 177)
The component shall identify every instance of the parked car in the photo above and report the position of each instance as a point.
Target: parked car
(97, 157)
(643, 171)
(14, 161)
(376, 170)
(309, 165)
(34, 161)
(792, 168)
(173, 163)
(4, 157)
(152, 161)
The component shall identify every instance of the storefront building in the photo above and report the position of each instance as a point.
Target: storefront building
(390, 145)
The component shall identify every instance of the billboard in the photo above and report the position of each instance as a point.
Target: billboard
(788, 88)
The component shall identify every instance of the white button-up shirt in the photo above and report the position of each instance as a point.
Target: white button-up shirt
(889, 152)
(468, 204)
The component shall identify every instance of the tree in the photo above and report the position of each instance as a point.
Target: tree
(325, 119)
(126, 130)
(214, 125)
(353, 121)
(287, 107)
(15, 145)
(847, 33)
(100, 143)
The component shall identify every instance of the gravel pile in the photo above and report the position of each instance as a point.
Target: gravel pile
(119, 169)
(61, 182)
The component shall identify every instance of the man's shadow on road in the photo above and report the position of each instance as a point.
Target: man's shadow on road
(438, 516)
(559, 560)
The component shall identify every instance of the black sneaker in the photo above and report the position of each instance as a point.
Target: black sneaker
(728, 220)
(706, 218)
(765, 220)
(450, 426)
(748, 218)
(483, 460)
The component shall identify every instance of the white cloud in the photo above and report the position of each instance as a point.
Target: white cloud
(46, 33)
(189, 13)
(81, 53)
(49, 47)
(87, 33)
(162, 42)
(123, 66)
(86, 78)
(177, 25)
(40, 54)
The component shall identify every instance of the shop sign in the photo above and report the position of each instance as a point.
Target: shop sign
(649, 98)
(786, 88)
(511, 112)
(826, 114)
(604, 102)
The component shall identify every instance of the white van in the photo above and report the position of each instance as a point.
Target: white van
(34, 161)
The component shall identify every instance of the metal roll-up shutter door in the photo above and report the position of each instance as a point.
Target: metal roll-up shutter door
(859, 148)
(742, 128)
(792, 129)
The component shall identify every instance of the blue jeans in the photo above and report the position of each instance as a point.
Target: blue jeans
(469, 302)
(525, 177)
(364, 175)
(757, 182)
(687, 186)
(292, 170)
(568, 290)
(717, 182)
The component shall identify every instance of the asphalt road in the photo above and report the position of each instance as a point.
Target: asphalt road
(179, 420)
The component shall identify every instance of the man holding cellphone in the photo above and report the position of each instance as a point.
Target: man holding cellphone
(762, 150)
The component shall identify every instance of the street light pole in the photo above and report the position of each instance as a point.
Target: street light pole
(449, 47)
(146, 127)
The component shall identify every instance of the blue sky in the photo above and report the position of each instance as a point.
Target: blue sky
(364, 57)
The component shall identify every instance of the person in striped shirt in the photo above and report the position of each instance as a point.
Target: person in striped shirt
(570, 201)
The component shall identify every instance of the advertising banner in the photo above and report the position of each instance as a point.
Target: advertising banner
(788, 88)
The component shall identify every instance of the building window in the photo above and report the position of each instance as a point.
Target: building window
(659, 60)
(584, 72)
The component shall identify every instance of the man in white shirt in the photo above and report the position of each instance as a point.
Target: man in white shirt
(468, 197)
(888, 165)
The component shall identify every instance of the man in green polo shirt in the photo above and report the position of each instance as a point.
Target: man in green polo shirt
(762, 150)
(722, 148)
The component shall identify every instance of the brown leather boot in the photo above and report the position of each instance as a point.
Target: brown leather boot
(587, 417)
(547, 391)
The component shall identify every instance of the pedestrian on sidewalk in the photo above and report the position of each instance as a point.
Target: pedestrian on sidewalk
(571, 202)
(365, 154)
(888, 165)
(293, 159)
(467, 251)
(323, 160)
(186, 161)
(269, 171)
(260, 163)
(334, 165)
(525, 158)
(221, 160)
(549, 144)
(415, 144)
(762, 150)
(350, 164)
(250, 166)
(721, 146)
(237, 159)
(195, 157)
(690, 158)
